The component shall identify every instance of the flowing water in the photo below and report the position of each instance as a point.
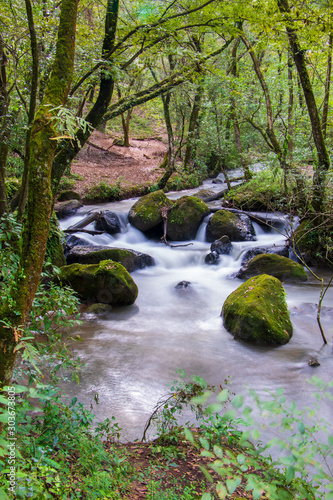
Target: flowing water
(132, 353)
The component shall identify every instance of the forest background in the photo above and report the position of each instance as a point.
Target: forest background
(231, 82)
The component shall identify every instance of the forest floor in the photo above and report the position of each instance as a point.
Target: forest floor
(103, 161)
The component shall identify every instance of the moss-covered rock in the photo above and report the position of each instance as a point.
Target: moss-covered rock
(130, 259)
(69, 195)
(238, 227)
(145, 214)
(282, 268)
(257, 312)
(99, 308)
(185, 217)
(107, 282)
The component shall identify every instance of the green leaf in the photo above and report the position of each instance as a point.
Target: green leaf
(238, 401)
(206, 496)
(204, 443)
(223, 396)
(189, 435)
(256, 434)
(290, 474)
(214, 408)
(240, 459)
(330, 440)
(206, 474)
(232, 484)
(301, 427)
(229, 415)
(221, 490)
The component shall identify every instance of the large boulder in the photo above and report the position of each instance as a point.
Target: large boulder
(185, 217)
(257, 312)
(238, 227)
(108, 222)
(107, 282)
(130, 259)
(282, 268)
(145, 214)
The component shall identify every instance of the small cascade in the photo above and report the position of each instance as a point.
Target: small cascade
(132, 353)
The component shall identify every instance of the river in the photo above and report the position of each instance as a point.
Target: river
(132, 353)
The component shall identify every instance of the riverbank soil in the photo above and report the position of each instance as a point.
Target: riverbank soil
(103, 161)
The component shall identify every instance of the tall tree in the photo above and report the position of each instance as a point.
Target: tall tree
(42, 146)
(318, 197)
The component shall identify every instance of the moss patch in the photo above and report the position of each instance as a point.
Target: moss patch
(282, 268)
(227, 223)
(257, 312)
(145, 214)
(185, 217)
(107, 282)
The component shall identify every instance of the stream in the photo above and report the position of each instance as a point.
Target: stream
(132, 353)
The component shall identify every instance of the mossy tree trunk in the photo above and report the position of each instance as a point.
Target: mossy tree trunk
(318, 196)
(67, 150)
(4, 101)
(42, 148)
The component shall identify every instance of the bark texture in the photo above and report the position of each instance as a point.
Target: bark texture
(42, 147)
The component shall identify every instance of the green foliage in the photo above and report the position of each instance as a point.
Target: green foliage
(287, 477)
(104, 192)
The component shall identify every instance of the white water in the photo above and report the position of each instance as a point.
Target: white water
(132, 353)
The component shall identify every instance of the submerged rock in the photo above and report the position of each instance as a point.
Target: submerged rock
(130, 259)
(185, 217)
(99, 308)
(107, 282)
(145, 214)
(183, 284)
(257, 312)
(282, 268)
(222, 246)
(238, 227)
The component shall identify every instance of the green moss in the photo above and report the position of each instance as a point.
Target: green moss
(282, 268)
(107, 282)
(227, 223)
(257, 312)
(185, 218)
(54, 245)
(145, 214)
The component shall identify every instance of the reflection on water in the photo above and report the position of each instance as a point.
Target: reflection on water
(132, 353)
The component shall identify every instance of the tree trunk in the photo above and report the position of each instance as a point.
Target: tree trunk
(4, 101)
(67, 150)
(193, 127)
(32, 109)
(318, 196)
(327, 86)
(233, 115)
(42, 147)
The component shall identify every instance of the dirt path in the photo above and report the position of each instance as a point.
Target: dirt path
(138, 164)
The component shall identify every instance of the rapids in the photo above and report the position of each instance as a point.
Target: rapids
(132, 353)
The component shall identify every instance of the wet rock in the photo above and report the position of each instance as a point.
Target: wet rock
(145, 214)
(107, 282)
(108, 222)
(222, 246)
(212, 258)
(130, 259)
(257, 312)
(72, 240)
(252, 252)
(217, 181)
(238, 227)
(282, 268)
(313, 362)
(65, 209)
(99, 308)
(185, 217)
(183, 284)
